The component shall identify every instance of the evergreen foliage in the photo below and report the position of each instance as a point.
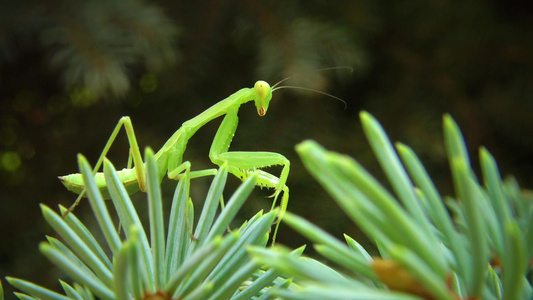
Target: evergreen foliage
(187, 264)
(481, 251)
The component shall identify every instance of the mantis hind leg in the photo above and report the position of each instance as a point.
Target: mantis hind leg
(135, 155)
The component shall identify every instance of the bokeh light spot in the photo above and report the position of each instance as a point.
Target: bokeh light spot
(10, 161)
(148, 83)
(82, 97)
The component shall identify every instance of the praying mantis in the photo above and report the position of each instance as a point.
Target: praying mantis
(170, 157)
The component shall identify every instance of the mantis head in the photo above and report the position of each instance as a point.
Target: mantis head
(262, 96)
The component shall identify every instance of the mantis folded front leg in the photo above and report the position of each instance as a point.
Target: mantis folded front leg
(170, 157)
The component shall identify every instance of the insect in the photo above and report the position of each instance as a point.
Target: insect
(170, 157)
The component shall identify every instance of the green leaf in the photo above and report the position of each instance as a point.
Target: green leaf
(349, 183)
(56, 244)
(455, 144)
(434, 284)
(237, 256)
(98, 206)
(211, 204)
(270, 293)
(514, 262)
(70, 291)
(24, 296)
(178, 239)
(493, 184)
(195, 259)
(321, 291)
(469, 193)
(391, 165)
(33, 289)
(354, 245)
(435, 205)
(157, 226)
(319, 236)
(80, 248)
(299, 267)
(233, 281)
(85, 235)
(84, 290)
(200, 292)
(78, 274)
(120, 269)
(137, 268)
(230, 211)
(262, 281)
(130, 219)
(205, 267)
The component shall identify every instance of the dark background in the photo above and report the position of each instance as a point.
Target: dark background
(70, 69)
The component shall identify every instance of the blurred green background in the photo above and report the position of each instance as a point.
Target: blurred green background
(70, 69)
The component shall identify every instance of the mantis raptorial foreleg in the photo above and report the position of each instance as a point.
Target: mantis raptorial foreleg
(242, 163)
(170, 157)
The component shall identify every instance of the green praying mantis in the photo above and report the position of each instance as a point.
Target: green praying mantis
(170, 157)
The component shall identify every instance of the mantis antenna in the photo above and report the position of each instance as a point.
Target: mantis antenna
(277, 87)
(310, 90)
